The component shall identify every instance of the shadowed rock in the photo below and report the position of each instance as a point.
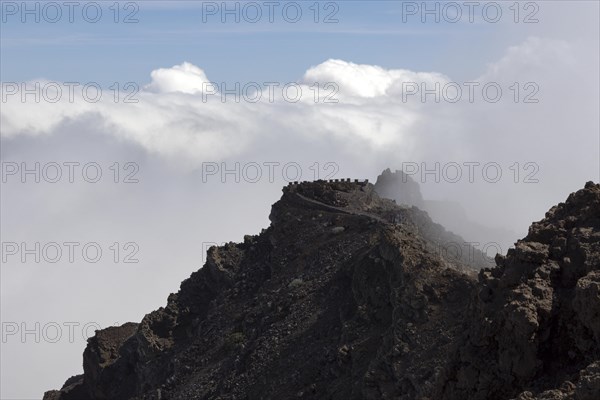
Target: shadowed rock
(346, 296)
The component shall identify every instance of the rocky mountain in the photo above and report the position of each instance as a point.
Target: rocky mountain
(351, 296)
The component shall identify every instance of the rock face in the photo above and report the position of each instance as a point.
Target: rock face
(400, 187)
(349, 296)
(534, 323)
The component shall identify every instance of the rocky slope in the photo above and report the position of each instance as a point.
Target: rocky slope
(401, 187)
(534, 322)
(350, 296)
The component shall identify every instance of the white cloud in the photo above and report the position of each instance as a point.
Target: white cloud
(184, 78)
(366, 81)
(175, 120)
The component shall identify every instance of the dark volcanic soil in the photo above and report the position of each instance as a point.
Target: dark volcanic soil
(350, 296)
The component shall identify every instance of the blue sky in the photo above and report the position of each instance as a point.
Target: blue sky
(367, 32)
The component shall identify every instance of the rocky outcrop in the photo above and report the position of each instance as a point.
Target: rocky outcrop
(400, 187)
(102, 366)
(533, 324)
(347, 296)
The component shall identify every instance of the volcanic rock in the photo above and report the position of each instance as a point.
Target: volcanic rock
(371, 311)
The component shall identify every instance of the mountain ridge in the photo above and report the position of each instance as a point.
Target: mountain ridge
(344, 296)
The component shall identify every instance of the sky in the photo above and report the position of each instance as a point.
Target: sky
(193, 118)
